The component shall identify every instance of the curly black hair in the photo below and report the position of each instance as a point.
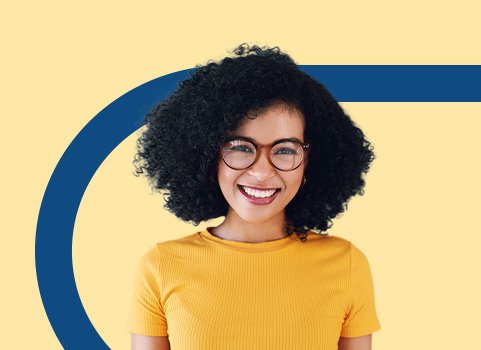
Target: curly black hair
(179, 149)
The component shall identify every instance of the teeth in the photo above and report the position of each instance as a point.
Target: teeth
(257, 193)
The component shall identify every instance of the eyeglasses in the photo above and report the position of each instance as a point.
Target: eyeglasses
(240, 153)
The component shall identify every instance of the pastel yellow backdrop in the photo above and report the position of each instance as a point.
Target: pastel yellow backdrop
(63, 63)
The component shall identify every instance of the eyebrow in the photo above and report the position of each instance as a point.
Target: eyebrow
(250, 139)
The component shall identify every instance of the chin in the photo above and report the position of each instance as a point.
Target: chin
(256, 215)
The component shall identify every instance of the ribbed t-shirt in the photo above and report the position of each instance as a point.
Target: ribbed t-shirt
(205, 292)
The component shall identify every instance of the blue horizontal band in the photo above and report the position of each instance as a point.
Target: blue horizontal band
(79, 162)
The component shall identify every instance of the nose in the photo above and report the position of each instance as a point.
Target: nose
(262, 168)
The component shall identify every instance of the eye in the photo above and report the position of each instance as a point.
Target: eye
(241, 148)
(286, 150)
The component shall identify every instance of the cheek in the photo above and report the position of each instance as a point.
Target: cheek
(294, 179)
(293, 184)
(226, 177)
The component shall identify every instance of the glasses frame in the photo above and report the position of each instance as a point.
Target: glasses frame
(305, 150)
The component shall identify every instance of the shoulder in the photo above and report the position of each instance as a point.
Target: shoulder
(328, 241)
(161, 254)
(178, 243)
(172, 247)
(336, 245)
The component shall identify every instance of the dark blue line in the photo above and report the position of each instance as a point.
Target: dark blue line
(53, 245)
(397, 83)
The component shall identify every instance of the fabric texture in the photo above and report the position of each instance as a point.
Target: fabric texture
(205, 292)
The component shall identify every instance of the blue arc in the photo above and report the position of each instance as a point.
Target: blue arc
(55, 225)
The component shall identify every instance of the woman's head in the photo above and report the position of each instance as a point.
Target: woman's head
(180, 149)
(274, 173)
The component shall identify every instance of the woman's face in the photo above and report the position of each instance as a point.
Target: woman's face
(276, 122)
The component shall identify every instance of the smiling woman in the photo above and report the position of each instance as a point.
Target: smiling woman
(256, 191)
(257, 141)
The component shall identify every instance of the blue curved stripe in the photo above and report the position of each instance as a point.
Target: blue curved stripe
(71, 176)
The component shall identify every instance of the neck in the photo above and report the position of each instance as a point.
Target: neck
(235, 228)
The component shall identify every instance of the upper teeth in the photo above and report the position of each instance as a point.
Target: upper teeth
(257, 193)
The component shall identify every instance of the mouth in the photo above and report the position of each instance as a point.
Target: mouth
(257, 196)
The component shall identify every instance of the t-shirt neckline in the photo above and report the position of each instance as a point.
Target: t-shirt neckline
(246, 246)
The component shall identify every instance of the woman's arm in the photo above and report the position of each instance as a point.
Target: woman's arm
(356, 343)
(145, 342)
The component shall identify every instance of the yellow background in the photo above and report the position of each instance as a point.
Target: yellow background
(417, 223)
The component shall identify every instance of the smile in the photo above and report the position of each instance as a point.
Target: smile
(257, 196)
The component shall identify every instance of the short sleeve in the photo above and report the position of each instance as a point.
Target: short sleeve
(147, 315)
(361, 318)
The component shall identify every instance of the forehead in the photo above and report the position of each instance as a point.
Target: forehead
(273, 123)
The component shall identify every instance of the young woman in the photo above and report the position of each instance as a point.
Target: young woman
(256, 140)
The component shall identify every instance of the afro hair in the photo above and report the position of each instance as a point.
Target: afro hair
(179, 149)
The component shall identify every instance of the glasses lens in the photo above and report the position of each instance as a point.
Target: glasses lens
(287, 155)
(239, 154)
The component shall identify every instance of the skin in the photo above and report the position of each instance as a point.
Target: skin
(144, 342)
(356, 343)
(247, 222)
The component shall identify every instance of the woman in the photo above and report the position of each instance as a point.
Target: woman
(256, 140)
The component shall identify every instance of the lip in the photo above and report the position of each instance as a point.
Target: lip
(258, 201)
(261, 188)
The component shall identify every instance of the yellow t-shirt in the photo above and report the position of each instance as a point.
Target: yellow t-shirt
(205, 292)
